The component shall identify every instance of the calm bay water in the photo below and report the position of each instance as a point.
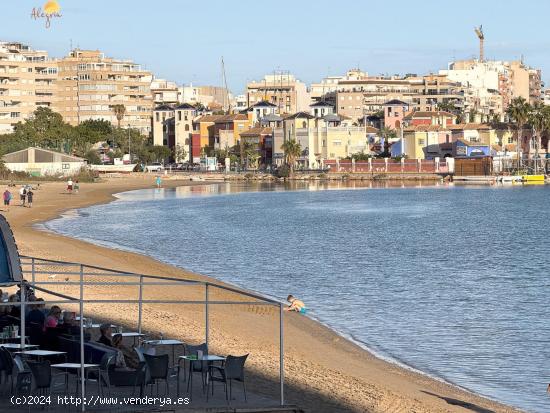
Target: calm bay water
(452, 281)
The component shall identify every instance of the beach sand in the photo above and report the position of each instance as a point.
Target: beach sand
(324, 371)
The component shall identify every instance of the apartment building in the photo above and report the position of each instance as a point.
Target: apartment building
(208, 96)
(27, 81)
(90, 84)
(165, 92)
(359, 95)
(491, 85)
(282, 89)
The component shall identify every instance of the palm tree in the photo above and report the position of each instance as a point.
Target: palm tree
(292, 151)
(539, 118)
(518, 112)
(119, 111)
(387, 134)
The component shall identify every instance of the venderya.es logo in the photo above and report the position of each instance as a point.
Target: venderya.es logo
(47, 13)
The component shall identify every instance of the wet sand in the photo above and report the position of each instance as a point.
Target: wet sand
(324, 371)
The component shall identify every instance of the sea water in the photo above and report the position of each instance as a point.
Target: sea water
(452, 281)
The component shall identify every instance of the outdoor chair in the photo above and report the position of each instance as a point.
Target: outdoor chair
(196, 367)
(233, 369)
(6, 365)
(22, 382)
(158, 370)
(129, 378)
(42, 374)
(36, 333)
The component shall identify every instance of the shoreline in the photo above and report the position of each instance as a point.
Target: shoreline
(399, 389)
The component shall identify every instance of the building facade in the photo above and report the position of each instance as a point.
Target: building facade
(282, 89)
(27, 82)
(90, 84)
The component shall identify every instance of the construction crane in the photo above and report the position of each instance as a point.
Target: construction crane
(481, 36)
(226, 94)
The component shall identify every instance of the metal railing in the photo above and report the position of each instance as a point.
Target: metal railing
(34, 269)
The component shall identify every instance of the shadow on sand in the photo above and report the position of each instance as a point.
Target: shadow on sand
(455, 402)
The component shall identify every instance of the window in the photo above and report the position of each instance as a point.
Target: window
(421, 142)
(510, 139)
(179, 114)
(15, 114)
(186, 127)
(158, 116)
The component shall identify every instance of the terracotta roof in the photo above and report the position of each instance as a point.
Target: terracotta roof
(230, 118)
(208, 118)
(257, 131)
(425, 128)
(511, 147)
(427, 114)
(263, 104)
(470, 126)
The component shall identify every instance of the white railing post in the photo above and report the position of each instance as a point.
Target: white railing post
(82, 373)
(281, 357)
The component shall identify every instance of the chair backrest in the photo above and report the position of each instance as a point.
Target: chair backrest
(36, 333)
(192, 350)
(7, 360)
(234, 367)
(140, 351)
(19, 364)
(158, 365)
(42, 373)
(107, 360)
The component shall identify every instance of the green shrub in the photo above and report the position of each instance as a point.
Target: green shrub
(283, 171)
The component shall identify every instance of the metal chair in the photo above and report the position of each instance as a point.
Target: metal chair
(23, 376)
(158, 370)
(194, 366)
(233, 369)
(42, 374)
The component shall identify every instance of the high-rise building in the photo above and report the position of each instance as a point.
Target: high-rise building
(90, 84)
(282, 89)
(27, 81)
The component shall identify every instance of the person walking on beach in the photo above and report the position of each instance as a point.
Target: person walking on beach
(76, 186)
(295, 305)
(23, 195)
(158, 181)
(30, 195)
(70, 186)
(7, 199)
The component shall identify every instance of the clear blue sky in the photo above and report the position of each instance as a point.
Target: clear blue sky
(184, 40)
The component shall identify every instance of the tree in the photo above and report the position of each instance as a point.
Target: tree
(179, 153)
(387, 134)
(119, 111)
(539, 118)
(292, 150)
(518, 113)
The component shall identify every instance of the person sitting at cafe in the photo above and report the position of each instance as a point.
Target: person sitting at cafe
(15, 309)
(106, 335)
(121, 363)
(52, 320)
(36, 315)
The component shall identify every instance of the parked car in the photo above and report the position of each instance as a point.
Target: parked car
(154, 167)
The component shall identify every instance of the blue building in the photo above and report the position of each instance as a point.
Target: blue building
(466, 149)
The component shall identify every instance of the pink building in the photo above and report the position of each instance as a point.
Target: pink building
(394, 112)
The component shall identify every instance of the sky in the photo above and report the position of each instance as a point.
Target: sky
(184, 40)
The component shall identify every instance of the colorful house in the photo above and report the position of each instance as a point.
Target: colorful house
(466, 149)
(394, 112)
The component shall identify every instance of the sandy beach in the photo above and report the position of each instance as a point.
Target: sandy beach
(324, 372)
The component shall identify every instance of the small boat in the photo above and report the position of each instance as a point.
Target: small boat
(509, 179)
(533, 178)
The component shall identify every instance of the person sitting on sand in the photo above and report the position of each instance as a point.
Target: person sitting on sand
(295, 305)
(106, 335)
